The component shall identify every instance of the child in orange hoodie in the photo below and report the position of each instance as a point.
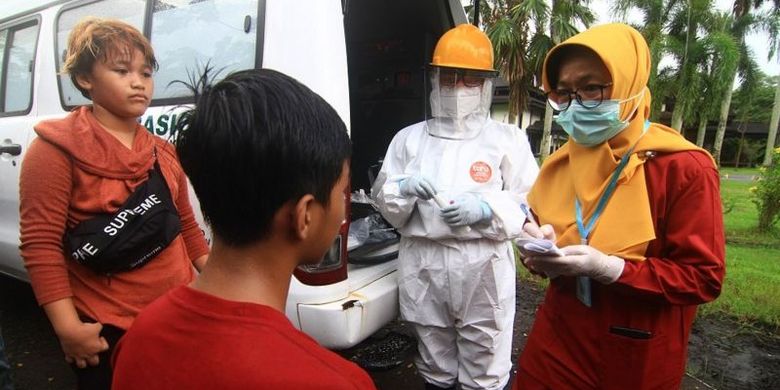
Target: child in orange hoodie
(106, 222)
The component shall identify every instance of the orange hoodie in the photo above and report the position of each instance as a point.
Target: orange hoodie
(74, 170)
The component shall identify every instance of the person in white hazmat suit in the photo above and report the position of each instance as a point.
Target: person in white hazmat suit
(456, 263)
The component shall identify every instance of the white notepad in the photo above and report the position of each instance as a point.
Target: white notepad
(537, 247)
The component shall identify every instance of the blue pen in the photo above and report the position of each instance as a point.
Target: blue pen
(528, 214)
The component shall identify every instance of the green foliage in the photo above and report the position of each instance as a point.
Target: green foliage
(656, 15)
(509, 37)
(751, 152)
(518, 56)
(508, 33)
(718, 67)
(727, 205)
(752, 103)
(766, 194)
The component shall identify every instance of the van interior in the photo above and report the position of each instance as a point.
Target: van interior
(389, 44)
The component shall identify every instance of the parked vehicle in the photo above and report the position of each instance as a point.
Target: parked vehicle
(365, 57)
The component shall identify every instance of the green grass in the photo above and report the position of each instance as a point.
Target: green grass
(738, 171)
(525, 277)
(752, 286)
(751, 290)
(741, 216)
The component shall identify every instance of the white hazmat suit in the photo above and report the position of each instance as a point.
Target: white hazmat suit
(457, 288)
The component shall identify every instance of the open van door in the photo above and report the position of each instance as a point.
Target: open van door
(389, 43)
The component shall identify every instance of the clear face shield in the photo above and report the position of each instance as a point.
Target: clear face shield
(459, 101)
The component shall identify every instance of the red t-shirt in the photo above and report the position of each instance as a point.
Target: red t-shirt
(188, 339)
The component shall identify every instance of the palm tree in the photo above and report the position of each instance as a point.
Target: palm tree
(772, 136)
(508, 32)
(774, 46)
(743, 23)
(749, 105)
(688, 48)
(656, 15)
(717, 69)
(561, 20)
(706, 54)
(520, 59)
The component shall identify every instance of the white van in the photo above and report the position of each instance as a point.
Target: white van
(365, 57)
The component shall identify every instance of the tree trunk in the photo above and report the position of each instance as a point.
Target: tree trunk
(724, 117)
(520, 119)
(770, 141)
(544, 147)
(513, 105)
(739, 147)
(656, 52)
(702, 132)
(677, 118)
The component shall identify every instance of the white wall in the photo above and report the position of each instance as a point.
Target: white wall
(500, 112)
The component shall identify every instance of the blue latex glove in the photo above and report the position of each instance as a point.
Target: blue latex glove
(418, 186)
(466, 209)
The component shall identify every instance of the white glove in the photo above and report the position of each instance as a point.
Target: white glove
(530, 229)
(579, 260)
(418, 186)
(466, 209)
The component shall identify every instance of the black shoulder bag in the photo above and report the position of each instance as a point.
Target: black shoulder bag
(130, 237)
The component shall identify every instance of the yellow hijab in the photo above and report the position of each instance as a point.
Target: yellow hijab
(625, 226)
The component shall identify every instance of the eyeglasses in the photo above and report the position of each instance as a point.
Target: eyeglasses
(449, 77)
(589, 96)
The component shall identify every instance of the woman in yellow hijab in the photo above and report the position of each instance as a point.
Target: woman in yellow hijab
(635, 209)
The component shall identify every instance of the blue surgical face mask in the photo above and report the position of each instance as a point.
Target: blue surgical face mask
(593, 126)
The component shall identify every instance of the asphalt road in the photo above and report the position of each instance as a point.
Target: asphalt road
(31, 345)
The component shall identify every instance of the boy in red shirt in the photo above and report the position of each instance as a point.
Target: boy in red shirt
(268, 159)
(87, 182)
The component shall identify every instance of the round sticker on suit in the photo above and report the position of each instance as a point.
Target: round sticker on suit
(480, 172)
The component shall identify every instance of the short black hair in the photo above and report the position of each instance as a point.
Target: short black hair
(254, 141)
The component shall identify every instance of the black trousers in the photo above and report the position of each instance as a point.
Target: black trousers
(99, 377)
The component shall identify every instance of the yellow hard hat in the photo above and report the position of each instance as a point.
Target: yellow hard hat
(464, 46)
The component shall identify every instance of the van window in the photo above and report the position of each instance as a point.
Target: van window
(187, 35)
(129, 11)
(17, 53)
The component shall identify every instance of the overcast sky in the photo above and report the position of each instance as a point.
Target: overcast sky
(758, 42)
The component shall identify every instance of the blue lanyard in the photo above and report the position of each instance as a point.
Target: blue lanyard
(585, 229)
